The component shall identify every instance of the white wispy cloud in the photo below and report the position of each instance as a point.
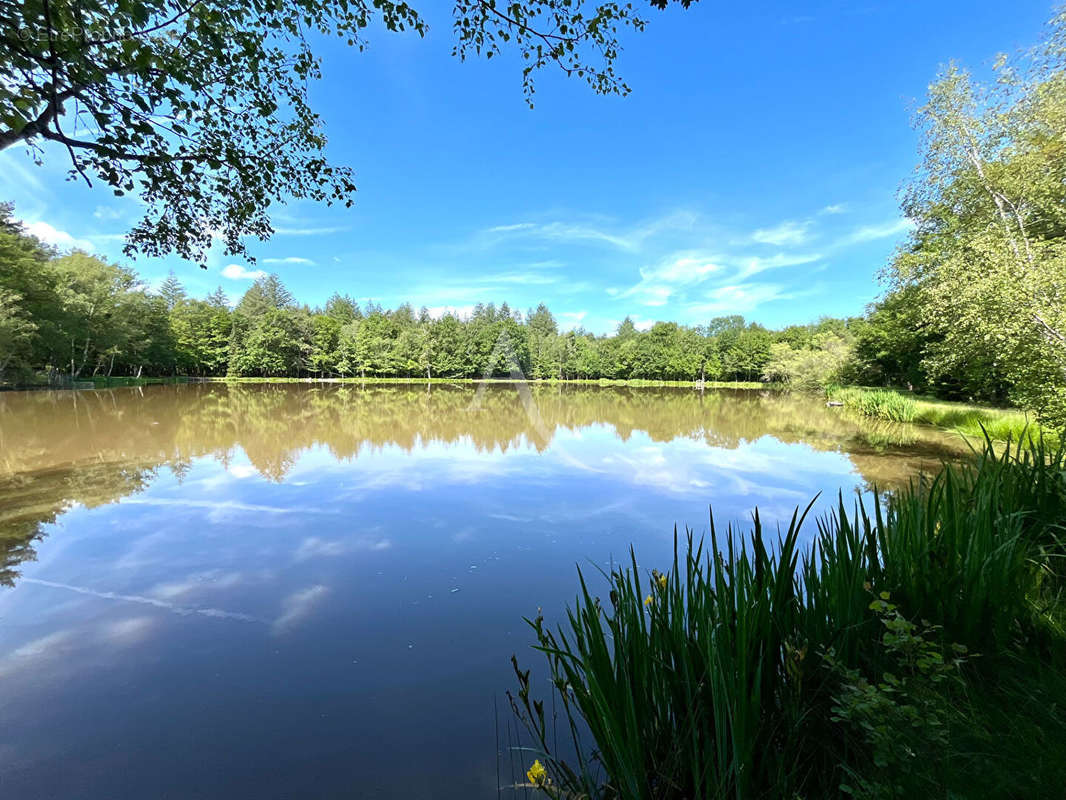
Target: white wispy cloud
(287, 260)
(717, 278)
(57, 238)
(436, 312)
(107, 213)
(869, 233)
(784, 234)
(630, 238)
(756, 264)
(678, 265)
(513, 227)
(316, 547)
(571, 319)
(142, 600)
(43, 645)
(549, 263)
(210, 579)
(297, 607)
(224, 506)
(686, 268)
(659, 283)
(737, 298)
(239, 272)
(310, 231)
(18, 171)
(559, 231)
(648, 294)
(127, 631)
(521, 277)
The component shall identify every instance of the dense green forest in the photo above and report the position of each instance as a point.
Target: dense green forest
(78, 315)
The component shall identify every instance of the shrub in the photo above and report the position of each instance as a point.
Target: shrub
(827, 360)
(899, 713)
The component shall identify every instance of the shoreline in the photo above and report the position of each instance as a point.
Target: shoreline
(113, 383)
(969, 420)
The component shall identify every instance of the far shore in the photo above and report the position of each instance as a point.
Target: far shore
(972, 420)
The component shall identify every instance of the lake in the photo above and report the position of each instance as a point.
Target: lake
(314, 590)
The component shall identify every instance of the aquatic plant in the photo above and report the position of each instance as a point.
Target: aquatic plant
(1000, 424)
(879, 403)
(754, 668)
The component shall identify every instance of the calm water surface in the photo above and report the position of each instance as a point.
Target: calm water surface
(281, 591)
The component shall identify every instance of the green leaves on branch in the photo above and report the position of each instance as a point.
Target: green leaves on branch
(986, 266)
(202, 108)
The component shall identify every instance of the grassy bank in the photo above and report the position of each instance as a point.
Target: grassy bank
(106, 383)
(916, 647)
(41, 381)
(643, 382)
(1000, 424)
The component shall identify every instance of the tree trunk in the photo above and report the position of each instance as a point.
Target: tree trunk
(84, 356)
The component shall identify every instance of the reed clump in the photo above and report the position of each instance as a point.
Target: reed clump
(878, 403)
(889, 656)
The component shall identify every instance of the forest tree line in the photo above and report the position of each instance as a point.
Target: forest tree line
(77, 316)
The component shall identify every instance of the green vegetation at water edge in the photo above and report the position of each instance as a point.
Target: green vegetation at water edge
(916, 648)
(880, 403)
(105, 382)
(627, 382)
(1000, 424)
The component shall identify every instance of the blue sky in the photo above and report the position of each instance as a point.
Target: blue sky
(754, 169)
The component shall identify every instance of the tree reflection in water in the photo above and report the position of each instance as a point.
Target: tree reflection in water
(95, 447)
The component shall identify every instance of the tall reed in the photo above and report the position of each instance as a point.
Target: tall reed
(878, 403)
(756, 669)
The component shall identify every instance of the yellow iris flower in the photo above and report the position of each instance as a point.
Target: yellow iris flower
(537, 775)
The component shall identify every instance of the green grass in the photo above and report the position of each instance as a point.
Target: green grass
(1000, 424)
(882, 661)
(635, 382)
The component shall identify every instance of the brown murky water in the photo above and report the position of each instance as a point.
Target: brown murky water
(313, 590)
